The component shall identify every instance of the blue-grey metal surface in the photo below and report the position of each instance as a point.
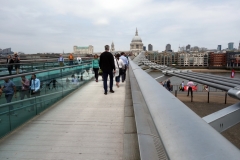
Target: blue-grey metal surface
(150, 145)
(224, 88)
(211, 76)
(185, 135)
(225, 118)
(208, 79)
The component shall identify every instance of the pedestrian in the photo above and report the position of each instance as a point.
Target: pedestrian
(119, 71)
(61, 60)
(35, 90)
(169, 85)
(25, 88)
(35, 86)
(10, 64)
(190, 84)
(182, 86)
(95, 63)
(165, 84)
(125, 61)
(70, 58)
(107, 66)
(16, 62)
(79, 59)
(9, 89)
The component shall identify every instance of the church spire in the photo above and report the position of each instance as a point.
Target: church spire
(136, 32)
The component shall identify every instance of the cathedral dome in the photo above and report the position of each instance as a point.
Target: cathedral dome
(136, 38)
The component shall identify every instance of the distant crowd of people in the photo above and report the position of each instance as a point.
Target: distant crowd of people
(110, 66)
(70, 60)
(13, 61)
(190, 84)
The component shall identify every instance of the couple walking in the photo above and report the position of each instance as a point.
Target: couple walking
(109, 66)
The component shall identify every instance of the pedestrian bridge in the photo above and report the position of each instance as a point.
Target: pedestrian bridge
(141, 120)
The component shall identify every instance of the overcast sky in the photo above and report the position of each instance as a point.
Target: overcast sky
(33, 26)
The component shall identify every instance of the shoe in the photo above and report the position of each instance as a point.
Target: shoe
(105, 93)
(112, 91)
(96, 80)
(187, 95)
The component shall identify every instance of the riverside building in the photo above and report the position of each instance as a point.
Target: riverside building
(83, 50)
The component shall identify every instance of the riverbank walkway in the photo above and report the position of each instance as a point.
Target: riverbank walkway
(84, 125)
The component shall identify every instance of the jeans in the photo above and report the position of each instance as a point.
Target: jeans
(117, 78)
(105, 78)
(96, 72)
(123, 75)
(9, 99)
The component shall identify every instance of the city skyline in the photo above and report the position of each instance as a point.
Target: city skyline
(57, 25)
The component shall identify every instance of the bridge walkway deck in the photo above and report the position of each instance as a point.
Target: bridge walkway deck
(85, 125)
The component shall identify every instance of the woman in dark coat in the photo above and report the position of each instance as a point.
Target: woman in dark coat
(10, 64)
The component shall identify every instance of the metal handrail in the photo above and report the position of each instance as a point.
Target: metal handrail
(35, 72)
(185, 135)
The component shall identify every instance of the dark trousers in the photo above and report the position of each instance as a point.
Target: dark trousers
(9, 99)
(123, 74)
(23, 93)
(189, 89)
(96, 72)
(70, 62)
(10, 70)
(117, 78)
(105, 78)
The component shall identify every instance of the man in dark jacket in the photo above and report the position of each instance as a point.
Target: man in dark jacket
(107, 66)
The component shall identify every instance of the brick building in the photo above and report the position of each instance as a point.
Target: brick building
(217, 59)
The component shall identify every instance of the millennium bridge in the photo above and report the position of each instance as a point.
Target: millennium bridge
(141, 120)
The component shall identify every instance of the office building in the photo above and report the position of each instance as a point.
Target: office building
(217, 59)
(144, 48)
(239, 46)
(219, 48)
(230, 45)
(150, 47)
(168, 47)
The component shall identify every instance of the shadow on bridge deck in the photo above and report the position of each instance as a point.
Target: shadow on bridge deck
(85, 125)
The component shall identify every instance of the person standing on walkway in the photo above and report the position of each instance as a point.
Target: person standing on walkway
(9, 89)
(61, 60)
(118, 65)
(79, 60)
(190, 84)
(169, 85)
(35, 86)
(107, 66)
(17, 61)
(70, 58)
(182, 85)
(125, 61)
(95, 63)
(25, 88)
(10, 64)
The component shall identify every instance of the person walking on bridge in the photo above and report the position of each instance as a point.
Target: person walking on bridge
(10, 64)
(124, 68)
(190, 84)
(70, 58)
(107, 66)
(61, 60)
(95, 63)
